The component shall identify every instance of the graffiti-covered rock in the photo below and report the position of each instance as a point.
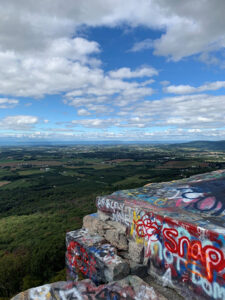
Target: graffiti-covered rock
(129, 288)
(93, 257)
(177, 229)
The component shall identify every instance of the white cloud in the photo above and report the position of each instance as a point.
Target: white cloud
(189, 111)
(210, 59)
(188, 27)
(8, 103)
(179, 89)
(77, 48)
(19, 122)
(164, 82)
(67, 66)
(143, 45)
(83, 112)
(127, 73)
(37, 40)
(181, 112)
(106, 92)
(187, 89)
(53, 71)
(93, 123)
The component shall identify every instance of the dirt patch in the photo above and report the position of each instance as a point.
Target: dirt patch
(182, 164)
(43, 163)
(4, 183)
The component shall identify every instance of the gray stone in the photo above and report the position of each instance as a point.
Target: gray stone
(136, 252)
(116, 270)
(116, 235)
(94, 225)
(138, 269)
(102, 216)
(124, 254)
(90, 222)
(123, 242)
(120, 228)
(116, 239)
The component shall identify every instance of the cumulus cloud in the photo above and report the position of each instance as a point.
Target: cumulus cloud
(19, 122)
(30, 54)
(143, 45)
(67, 65)
(199, 26)
(93, 123)
(164, 82)
(8, 103)
(187, 89)
(56, 70)
(108, 91)
(210, 59)
(83, 112)
(186, 111)
(127, 73)
(77, 48)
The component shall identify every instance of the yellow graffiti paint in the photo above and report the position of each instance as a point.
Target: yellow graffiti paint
(139, 240)
(160, 201)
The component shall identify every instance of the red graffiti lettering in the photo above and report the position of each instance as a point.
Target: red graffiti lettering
(209, 256)
(181, 246)
(146, 227)
(214, 259)
(168, 234)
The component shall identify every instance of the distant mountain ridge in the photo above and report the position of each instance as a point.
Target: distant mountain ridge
(208, 145)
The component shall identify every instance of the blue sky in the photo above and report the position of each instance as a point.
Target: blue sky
(145, 70)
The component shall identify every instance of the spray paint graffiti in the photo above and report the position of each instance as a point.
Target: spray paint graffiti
(145, 227)
(116, 209)
(200, 194)
(88, 255)
(211, 257)
(198, 263)
(129, 288)
(185, 236)
(196, 198)
(80, 259)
